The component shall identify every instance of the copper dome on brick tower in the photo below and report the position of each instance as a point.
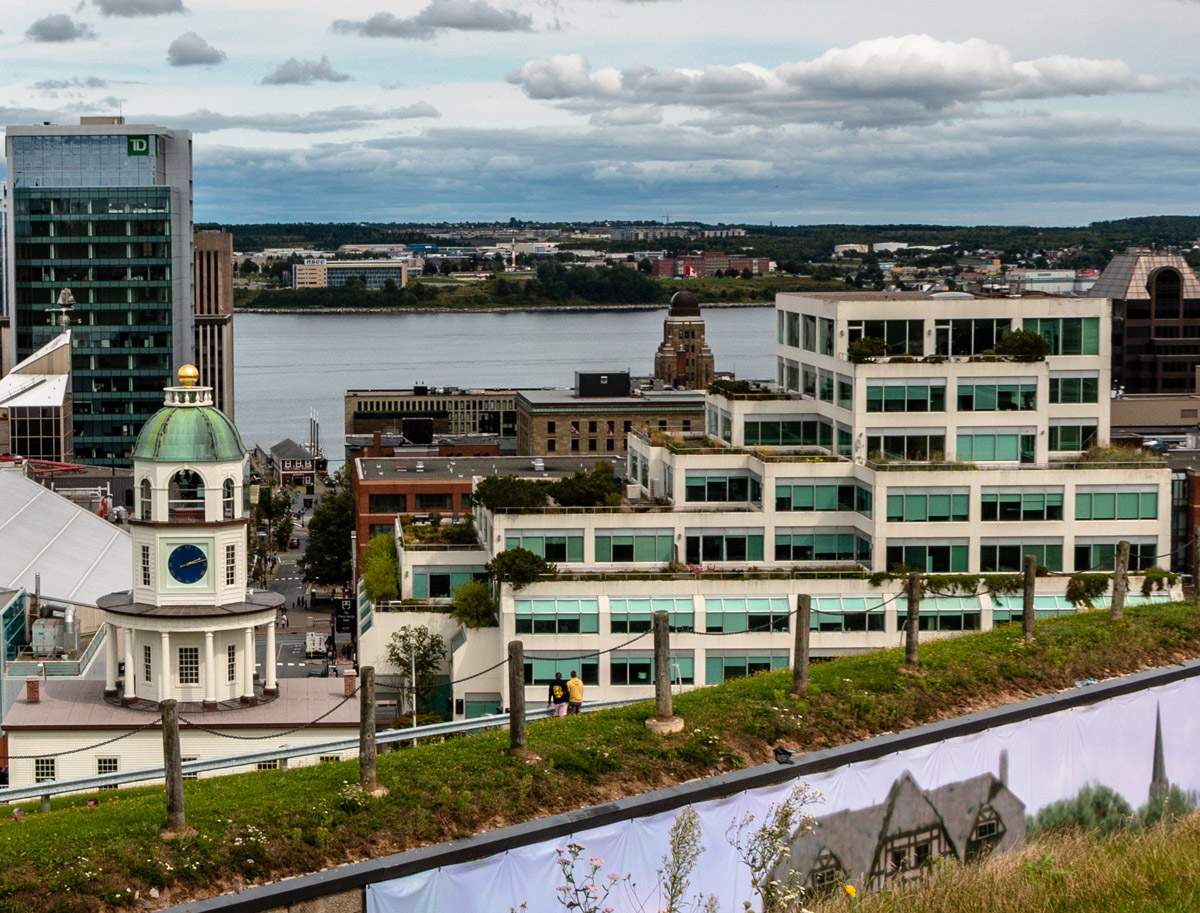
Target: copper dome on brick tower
(684, 304)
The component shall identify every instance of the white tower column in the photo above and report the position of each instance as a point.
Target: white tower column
(164, 674)
(130, 696)
(210, 673)
(248, 678)
(110, 659)
(269, 685)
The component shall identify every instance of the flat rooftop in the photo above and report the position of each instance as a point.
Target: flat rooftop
(641, 398)
(380, 469)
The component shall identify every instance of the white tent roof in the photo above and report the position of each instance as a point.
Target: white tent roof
(80, 556)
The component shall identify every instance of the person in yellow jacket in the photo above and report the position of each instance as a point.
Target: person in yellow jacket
(574, 693)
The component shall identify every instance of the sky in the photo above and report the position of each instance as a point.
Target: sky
(784, 111)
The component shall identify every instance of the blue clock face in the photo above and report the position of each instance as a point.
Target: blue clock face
(187, 563)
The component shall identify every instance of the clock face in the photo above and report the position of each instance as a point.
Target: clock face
(187, 564)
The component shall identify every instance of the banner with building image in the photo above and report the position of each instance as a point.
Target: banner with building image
(877, 820)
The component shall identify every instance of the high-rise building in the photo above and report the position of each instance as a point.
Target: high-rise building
(214, 315)
(104, 209)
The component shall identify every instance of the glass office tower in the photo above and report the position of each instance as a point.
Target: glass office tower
(104, 209)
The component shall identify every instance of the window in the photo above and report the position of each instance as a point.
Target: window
(903, 337)
(833, 496)
(1068, 335)
(557, 616)
(825, 326)
(441, 582)
(995, 397)
(969, 337)
(996, 447)
(1072, 436)
(1111, 504)
(845, 393)
(574, 445)
(328, 759)
(726, 666)
(825, 387)
(810, 332)
(45, 770)
(724, 545)
(927, 507)
(145, 499)
(552, 544)
(541, 670)
(943, 613)
(387, 504)
(147, 662)
(190, 775)
(227, 499)
(1102, 556)
(733, 616)
(1009, 557)
(267, 765)
(847, 613)
(910, 397)
(435, 501)
(809, 381)
(231, 663)
(108, 766)
(145, 565)
(788, 431)
(722, 486)
(591, 427)
(189, 665)
(821, 544)
(1021, 505)
(551, 446)
(635, 545)
(230, 565)
(906, 445)
(550, 427)
(935, 558)
(639, 669)
(1074, 389)
(633, 616)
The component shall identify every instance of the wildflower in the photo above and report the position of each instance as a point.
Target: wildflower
(597, 862)
(850, 890)
(613, 876)
(593, 890)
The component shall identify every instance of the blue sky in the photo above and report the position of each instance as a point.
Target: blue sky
(801, 111)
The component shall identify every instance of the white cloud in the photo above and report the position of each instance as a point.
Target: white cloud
(344, 118)
(440, 15)
(130, 8)
(190, 50)
(293, 72)
(59, 27)
(91, 82)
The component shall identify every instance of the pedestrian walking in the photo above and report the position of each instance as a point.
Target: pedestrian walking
(574, 693)
(557, 698)
(285, 619)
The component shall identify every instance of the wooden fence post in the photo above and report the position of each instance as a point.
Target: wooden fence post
(366, 728)
(1027, 606)
(1120, 582)
(664, 717)
(173, 768)
(800, 653)
(518, 742)
(912, 622)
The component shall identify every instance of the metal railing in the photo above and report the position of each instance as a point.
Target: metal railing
(331, 747)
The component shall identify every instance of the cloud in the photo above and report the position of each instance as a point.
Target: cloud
(129, 8)
(895, 80)
(440, 15)
(340, 119)
(91, 82)
(190, 50)
(293, 72)
(627, 117)
(59, 27)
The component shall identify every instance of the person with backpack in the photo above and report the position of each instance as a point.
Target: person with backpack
(557, 697)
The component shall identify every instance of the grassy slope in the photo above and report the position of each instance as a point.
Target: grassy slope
(268, 825)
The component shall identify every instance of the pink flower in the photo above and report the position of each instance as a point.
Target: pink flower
(563, 888)
(593, 890)
(597, 862)
(614, 876)
(608, 910)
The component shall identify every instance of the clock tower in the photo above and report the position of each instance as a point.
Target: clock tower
(186, 630)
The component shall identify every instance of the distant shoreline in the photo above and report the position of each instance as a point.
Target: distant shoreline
(549, 308)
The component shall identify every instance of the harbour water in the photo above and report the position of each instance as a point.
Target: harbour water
(287, 364)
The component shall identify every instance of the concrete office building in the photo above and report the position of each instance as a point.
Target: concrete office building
(214, 315)
(934, 457)
(449, 410)
(319, 273)
(104, 209)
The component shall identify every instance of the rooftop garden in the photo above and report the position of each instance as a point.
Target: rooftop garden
(598, 488)
(260, 827)
(744, 389)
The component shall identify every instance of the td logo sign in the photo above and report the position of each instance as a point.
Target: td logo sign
(137, 145)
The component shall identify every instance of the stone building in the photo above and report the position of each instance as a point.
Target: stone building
(683, 358)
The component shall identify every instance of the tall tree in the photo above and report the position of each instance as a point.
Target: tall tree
(326, 558)
(380, 569)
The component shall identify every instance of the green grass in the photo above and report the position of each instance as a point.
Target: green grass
(271, 824)
(1151, 871)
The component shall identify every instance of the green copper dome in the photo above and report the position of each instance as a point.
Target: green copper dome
(189, 428)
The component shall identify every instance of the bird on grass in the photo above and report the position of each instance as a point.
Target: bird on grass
(783, 755)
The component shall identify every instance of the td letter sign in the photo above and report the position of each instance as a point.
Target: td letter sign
(137, 145)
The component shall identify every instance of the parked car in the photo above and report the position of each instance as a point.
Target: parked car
(293, 542)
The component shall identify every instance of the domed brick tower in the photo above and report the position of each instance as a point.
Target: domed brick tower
(683, 358)
(186, 630)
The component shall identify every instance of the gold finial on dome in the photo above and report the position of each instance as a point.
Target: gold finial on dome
(188, 375)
